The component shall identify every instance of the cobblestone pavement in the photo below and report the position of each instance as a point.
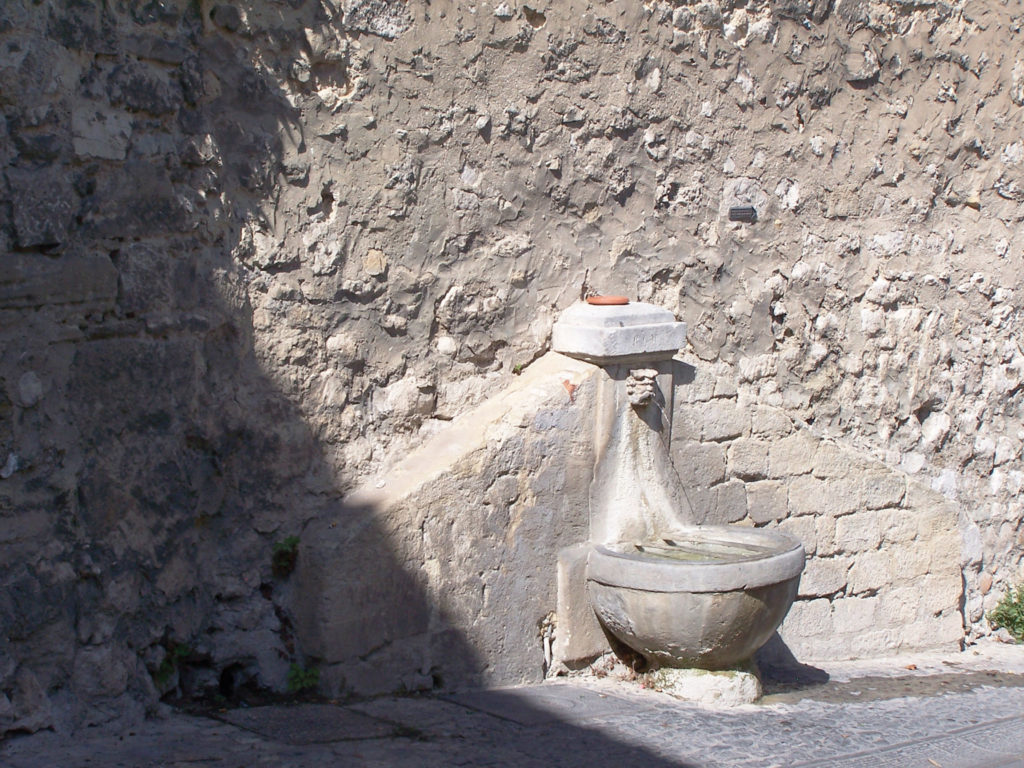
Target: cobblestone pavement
(962, 713)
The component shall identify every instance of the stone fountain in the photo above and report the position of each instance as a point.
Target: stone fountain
(677, 594)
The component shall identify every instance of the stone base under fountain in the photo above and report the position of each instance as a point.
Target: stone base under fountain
(711, 689)
(707, 688)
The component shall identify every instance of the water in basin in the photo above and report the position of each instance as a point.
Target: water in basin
(701, 550)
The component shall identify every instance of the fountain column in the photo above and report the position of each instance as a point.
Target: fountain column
(631, 446)
(636, 489)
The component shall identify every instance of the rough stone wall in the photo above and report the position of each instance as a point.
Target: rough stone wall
(150, 463)
(254, 251)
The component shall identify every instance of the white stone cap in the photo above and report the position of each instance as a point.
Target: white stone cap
(618, 333)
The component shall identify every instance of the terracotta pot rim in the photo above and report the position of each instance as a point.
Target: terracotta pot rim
(607, 301)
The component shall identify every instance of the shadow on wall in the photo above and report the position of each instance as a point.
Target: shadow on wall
(160, 463)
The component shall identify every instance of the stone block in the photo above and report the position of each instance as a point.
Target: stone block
(100, 672)
(792, 455)
(719, 689)
(935, 633)
(144, 87)
(880, 490)
(140, 202)
(725, 382)
(694, 383)
(365, 604)
(384, 18)
(724, 420)
(801, 527)
(25, 526)
(758, 367)
(768, 500)
(35, 280)
(946, 551)
(827, 645)
(859, 532)
(151, 280)
(155, 48)
(870, 572)
(854, 614)
(770, 422)
(823, 577)
(842, 497)
(7, 149)
(606, 333)
(42, 139)
(832, 460)
(748, 458)
(922, 497)
(32, 710)
(42, 203)
(702, 501)
(578, 635)
(934, 522)
(941, 593)
(898, 607)
(686, 422)
(875, 642)
(913, 562)
(825, 532)
(898, 526)
(807, 618)
(701, 465)
(730, 503)
(805, 496)
(834, 497)
(100, 132)
(948, 630)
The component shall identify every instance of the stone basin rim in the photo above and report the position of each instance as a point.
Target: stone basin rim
(615, 565)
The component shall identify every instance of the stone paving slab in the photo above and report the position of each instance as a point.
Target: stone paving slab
(996, 743)
(430, 717)
(179, 740)
(309, 723)
(540, 704)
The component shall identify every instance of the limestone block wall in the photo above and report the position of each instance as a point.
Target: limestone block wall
(883, 569)
(454, 581)
(447, 574)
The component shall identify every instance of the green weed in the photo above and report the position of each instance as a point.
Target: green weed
(302, 679)
(176, 653)
(286, 552)
(1009, 613)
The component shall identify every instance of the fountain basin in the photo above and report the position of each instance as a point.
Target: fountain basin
(705, 597)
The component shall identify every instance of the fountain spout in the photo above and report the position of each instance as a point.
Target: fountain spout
(636, 493)
(642, 386)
